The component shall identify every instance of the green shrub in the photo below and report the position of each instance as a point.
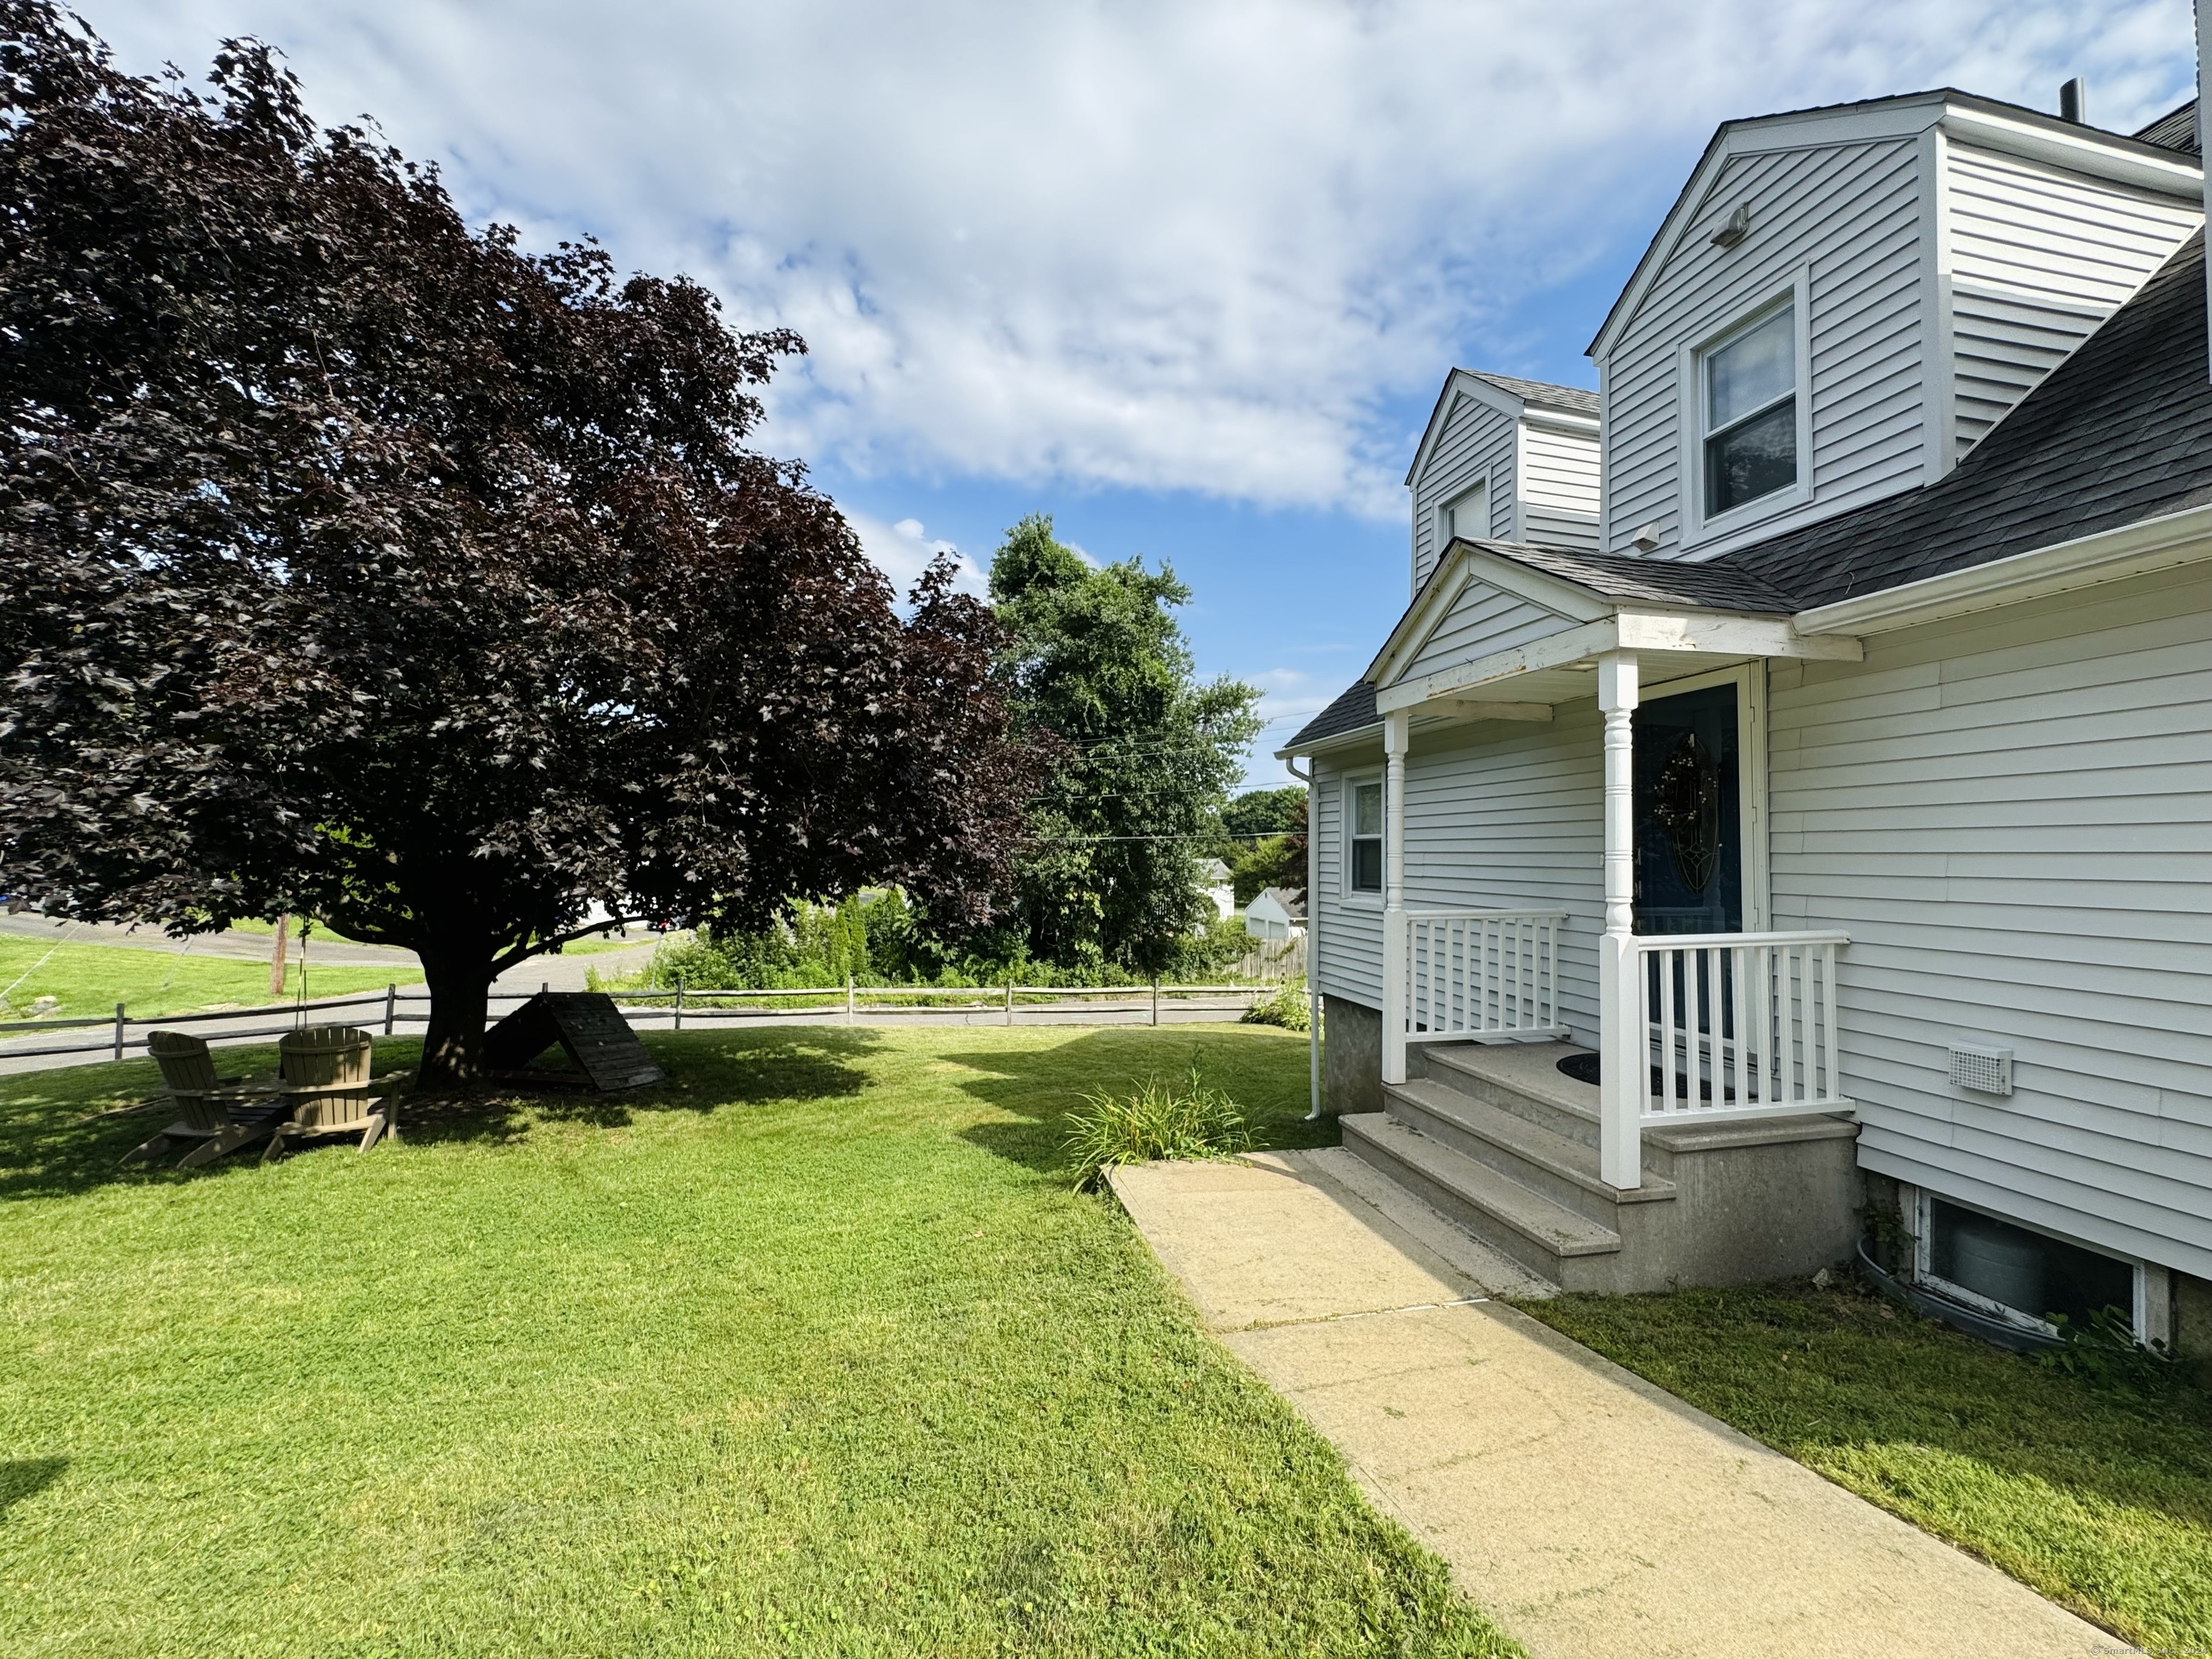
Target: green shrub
(1286, 1008)
(1185, 1120)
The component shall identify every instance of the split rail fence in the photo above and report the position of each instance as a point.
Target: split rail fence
(848, 1005)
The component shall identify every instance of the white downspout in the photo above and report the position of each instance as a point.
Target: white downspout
(1397, 733)
(1623, 1082)
(1313, 938)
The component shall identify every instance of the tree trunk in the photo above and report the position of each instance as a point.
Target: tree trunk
(461, 994)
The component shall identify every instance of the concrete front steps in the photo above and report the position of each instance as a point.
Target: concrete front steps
(1497, 1140)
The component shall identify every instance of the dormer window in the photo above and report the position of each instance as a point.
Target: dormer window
(1750, 405)
(1466, 516)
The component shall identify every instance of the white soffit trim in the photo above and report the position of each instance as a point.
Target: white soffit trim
(1358, 738)
(2111, 556)
(2080, 149)
(1630, 630)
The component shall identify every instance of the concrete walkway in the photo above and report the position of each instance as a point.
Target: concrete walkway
(1589, 1513)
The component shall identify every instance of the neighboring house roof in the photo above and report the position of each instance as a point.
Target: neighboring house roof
(1354, 711)
(1542, 391)
(2122, 430)
(1290, 900)
(1213, 870)
(2175, 130)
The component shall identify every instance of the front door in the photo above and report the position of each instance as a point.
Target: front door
(1688, 821)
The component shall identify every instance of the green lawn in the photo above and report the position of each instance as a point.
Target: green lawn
(91, 978)
(811, 1351)
(2100, 1500)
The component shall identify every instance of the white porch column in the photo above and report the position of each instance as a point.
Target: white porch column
(1397, 733)
(1621, 1041)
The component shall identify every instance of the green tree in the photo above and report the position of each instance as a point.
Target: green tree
(1146, 753)
(1265, 831)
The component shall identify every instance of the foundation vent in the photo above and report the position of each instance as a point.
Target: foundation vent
(1985, 1069)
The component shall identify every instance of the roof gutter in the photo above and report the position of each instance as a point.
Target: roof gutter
(1357, 737)
(2111, 556)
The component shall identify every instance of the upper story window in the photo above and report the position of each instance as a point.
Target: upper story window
(1365, 841)
(1750, 399)
(1466, 515)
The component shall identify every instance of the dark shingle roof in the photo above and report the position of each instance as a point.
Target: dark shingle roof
(1349, 712)
(2122, 430)
(1542, 391)
(2175, 130)
(1656, 582)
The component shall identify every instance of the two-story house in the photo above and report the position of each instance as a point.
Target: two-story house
(1790, 784)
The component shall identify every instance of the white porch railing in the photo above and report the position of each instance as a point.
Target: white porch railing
(1740, 1025)
(1482, 974)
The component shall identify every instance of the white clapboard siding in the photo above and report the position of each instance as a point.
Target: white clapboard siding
(1559, 489)
(2038, 257)
(2009, 815)
(1347, 956)
(1497, 815)
(1476, 439)
(1849, 214)
(1481, 619)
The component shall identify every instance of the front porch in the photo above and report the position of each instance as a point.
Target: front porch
(1702, 1136)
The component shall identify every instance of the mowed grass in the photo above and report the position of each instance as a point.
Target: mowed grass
(91, 978)
(811, 1351)
(2098, 1497)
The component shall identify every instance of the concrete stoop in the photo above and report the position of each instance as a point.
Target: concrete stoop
(1499, 1141)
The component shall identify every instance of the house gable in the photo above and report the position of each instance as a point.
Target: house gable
(1476, 604)
(1939, 255)
(1532, 451)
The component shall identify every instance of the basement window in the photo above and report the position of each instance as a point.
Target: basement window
(2028, 1276)
(1749, 394)
(1364, 850)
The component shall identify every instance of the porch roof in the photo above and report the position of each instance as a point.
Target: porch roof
(1551, 614)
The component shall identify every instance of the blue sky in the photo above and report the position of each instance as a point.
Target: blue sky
(1185, 274)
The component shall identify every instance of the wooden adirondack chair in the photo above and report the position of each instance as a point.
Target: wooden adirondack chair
(220, 1113)
(324, 1076)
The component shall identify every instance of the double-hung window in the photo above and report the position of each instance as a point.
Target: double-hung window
(1749, 392)
(1365, 843)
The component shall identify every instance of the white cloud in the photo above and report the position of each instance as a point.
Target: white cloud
(1159, 243)
(903, 551)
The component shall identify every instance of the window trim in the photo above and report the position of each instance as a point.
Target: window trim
(1697, 526)
(1467, 487)
(1352, 782)
(1923, 1227)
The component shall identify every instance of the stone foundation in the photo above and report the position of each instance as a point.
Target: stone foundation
(1351, 1058)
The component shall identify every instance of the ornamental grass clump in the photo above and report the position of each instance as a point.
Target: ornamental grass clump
(1286, 1008)
(1189, 1119)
